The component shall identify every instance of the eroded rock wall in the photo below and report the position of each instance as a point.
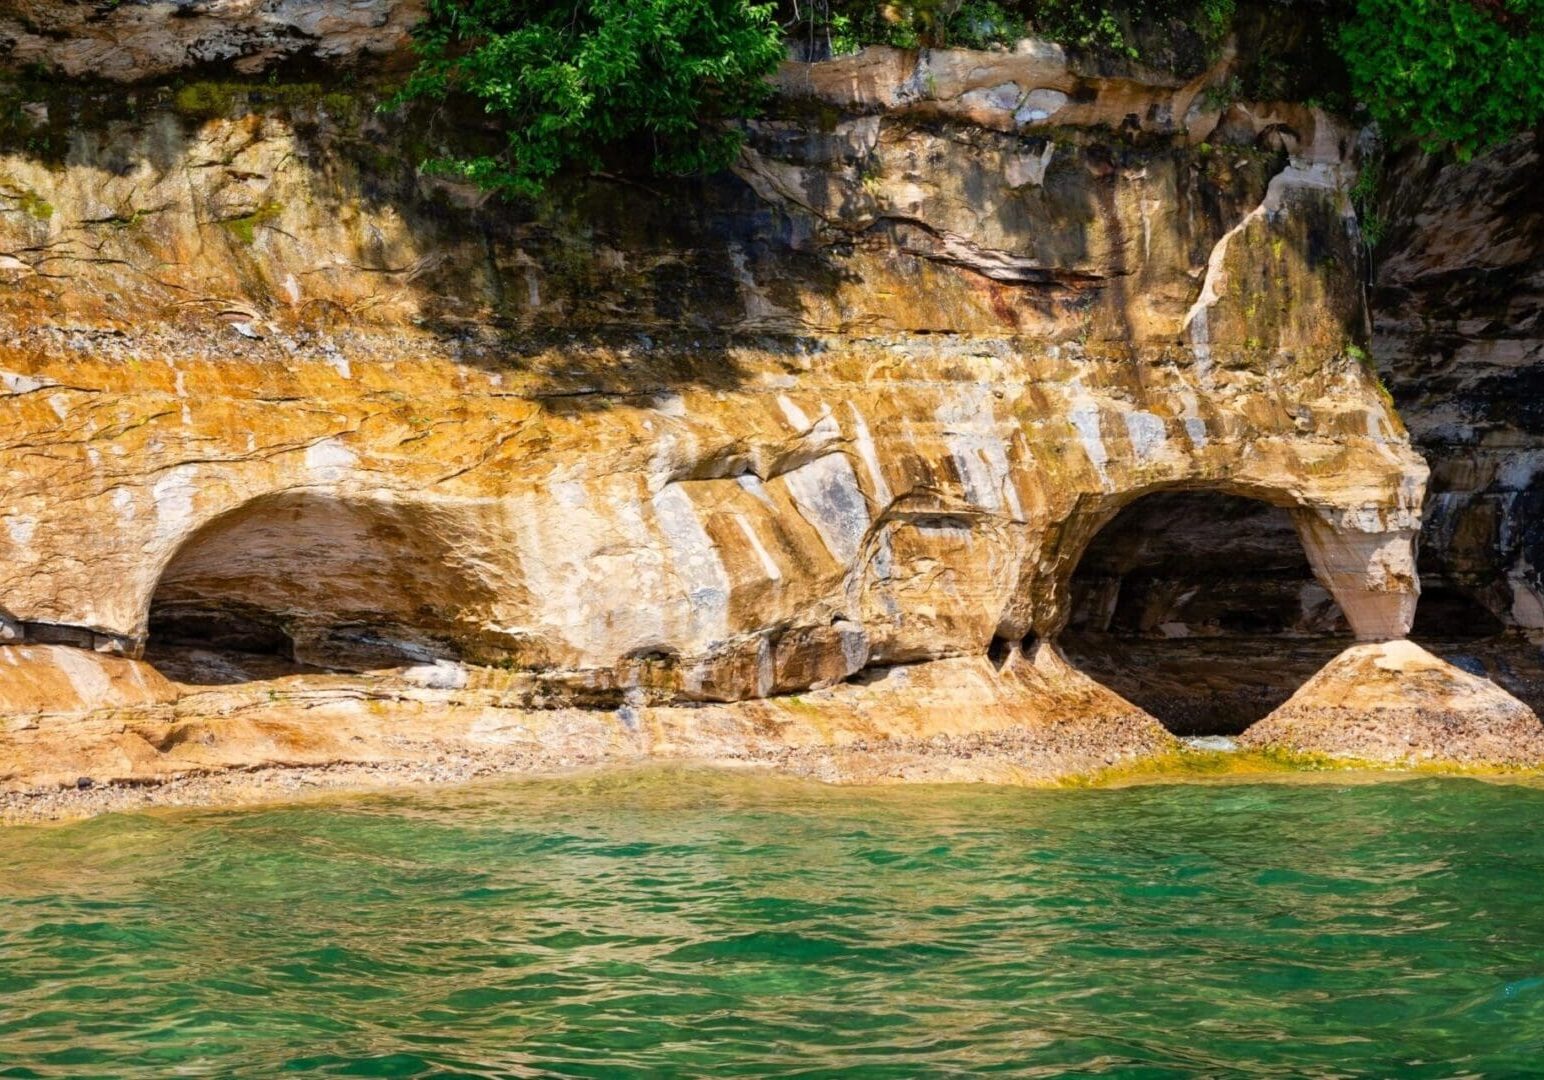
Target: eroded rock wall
(1457, 302)
(128, 40)
(862, 403)
(895, 375)
(900, 505)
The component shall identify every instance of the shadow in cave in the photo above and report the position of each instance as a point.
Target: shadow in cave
(203, 644)
(1201, 608)
(296, 582)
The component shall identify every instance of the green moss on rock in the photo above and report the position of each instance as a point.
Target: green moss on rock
(35, 206)
(244, 228)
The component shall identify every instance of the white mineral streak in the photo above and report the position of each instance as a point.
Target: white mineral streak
(696, 563)
(21, 384)
(1084, 415)
(795, 416)
(329, 461)
(863, 442)
(752, 484)
(1147, 434)
(969, 427)
(85, 676)
(182, 398)
(1298, 175)
(768, 564)
(21, 530)
(123, 503)
(173, 494)
(827, 494)
(1195, 426)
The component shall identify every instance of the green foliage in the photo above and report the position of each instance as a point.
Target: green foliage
(1109, 27)
(1450, 73)
(568, 82)
(34, 206)
(1369, 365)
(1364, 197)
(1223, 94)
(981, 24)
(244, 228)
(1083, 25)
(1104, 26)
(848, 25)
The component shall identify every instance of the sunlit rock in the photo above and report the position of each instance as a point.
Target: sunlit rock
(795, 464)
(1395, 703)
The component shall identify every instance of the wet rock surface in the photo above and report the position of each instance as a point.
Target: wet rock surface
(1034, 720)
(1457, 298)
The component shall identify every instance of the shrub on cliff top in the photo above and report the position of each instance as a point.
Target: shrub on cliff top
(1101, 26)
(570, 81)
(567, 81)
(1450, 73)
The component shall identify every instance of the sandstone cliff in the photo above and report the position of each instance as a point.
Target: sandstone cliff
(1456, 305)
(796, 464)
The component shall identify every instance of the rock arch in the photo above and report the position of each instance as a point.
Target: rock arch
(346, 582)
(1362, 556)
(1177, 596)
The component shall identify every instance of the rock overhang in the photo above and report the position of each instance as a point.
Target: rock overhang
(863, 406)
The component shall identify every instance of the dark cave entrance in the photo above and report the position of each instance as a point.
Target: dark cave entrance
(299, 582)
(216, 643)
(1201, 608)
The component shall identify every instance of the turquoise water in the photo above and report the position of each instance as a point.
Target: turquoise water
(695, 924)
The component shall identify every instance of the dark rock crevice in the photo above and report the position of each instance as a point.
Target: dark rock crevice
(1457, 304)
(1201, 608)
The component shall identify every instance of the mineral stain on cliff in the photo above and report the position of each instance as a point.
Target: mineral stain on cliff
(975, 361)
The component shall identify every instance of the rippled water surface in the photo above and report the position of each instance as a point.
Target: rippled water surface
(696, 924)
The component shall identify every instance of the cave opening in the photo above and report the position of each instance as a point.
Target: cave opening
(1201, 608)
(206, 642)
(298, 582)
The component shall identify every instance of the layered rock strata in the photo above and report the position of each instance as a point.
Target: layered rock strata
(795, 465)
(145, 39)
(1458, 296)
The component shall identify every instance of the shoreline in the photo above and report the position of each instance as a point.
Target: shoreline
(258, 786)
(152, 743)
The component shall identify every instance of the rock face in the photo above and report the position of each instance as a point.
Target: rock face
(806, 456)
(55, 680)
(1396, 703)
(878, 506)
(1458, 299)
(1033, 719)
(143, 39)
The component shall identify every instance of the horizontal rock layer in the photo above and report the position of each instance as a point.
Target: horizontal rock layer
(143, 39)
(1458, 317)
(857, 409)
